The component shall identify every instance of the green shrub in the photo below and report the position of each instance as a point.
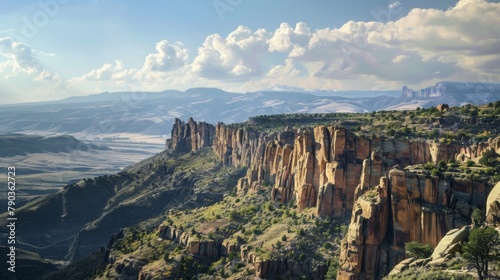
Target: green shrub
(270, 207)
(442, 164)
(435, 172)
(429, 166)
(256, 231)
(418, 250)
(489, 158)
(302, 257)
(331, 274)
(481, 249)
(478, 215)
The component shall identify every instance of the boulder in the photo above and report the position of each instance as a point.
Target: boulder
(402, 266)
(493, 205)
(448, 244)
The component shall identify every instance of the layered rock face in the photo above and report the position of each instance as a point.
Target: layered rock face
(476, 150)
(208, 248)
(367, 231)
(190, 136)
(422, 209)
(319, 167)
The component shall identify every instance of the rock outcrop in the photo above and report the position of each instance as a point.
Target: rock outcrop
(449, 244)
(446, 249)
(207, 247)
(190, 136)
(423, 208)
(476, 150)
(493, 205)
(362, 253)
(213, 249)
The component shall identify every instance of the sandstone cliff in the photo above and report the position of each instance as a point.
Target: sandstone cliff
(335, 172)
(319, 167)
(190, 136)
(406, 207)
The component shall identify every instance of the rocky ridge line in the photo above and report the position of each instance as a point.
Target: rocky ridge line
(316, 168)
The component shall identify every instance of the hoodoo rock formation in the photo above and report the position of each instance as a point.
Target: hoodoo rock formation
(190, 136)
(318, 168)
(336, 172)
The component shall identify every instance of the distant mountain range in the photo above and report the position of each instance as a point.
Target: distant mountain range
(152, 113)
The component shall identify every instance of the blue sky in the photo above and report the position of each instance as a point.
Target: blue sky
(51, 49)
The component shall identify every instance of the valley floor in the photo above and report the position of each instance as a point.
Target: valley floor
(39, 174)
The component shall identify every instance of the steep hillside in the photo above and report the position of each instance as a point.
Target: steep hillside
(76, 221)
(27, 265)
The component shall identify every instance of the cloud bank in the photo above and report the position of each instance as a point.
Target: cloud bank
(424, 46)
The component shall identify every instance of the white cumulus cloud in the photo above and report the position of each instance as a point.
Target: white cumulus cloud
(22, 58)
(168, 57)
(285, 37)
(106, 72)
(425, 44)
(237, 56)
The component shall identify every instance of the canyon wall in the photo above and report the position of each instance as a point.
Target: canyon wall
(405, 206)
(319, 167)
(335, 172)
